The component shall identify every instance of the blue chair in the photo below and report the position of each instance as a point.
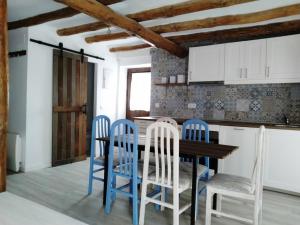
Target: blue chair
(100, 128)
(123, 146)
(192, 130)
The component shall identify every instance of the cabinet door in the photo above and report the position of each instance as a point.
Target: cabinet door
(241, 161)
(234, 62)
(283, 57)
(206, 63)
(282, 167)
(255, 53)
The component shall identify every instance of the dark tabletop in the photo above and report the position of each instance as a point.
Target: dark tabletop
(196, 148)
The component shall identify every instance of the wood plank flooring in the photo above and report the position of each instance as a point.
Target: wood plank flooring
(64, 189)
(15, 210)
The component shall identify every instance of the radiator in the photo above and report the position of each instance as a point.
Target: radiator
(14, 153)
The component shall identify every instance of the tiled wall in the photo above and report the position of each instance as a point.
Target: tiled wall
(253, 103)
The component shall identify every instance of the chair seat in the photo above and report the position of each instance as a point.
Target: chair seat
(151, 169)
(230, 183)
(185, 180)
(188, 167)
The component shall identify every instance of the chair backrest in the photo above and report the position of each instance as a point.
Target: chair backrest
(125, 134)
(164, 137)
(100, 128)
(168, 120)
(192, 130)
(257, 172)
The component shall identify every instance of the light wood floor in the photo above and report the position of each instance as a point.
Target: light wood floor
(64, 190)
(15, 210)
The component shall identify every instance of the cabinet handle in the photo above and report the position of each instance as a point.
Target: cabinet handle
(241, 72)
(267, 71)
(238, 128)
(246, 72)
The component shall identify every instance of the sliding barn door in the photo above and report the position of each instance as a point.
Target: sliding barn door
(69, 108)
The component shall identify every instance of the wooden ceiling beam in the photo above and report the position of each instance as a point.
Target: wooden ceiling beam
(230, 35)
(101, 12)
(129, 48)
(161, 12)
(210, 22)
(50, 16)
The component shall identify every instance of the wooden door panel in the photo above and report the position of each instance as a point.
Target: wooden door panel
(69, 99)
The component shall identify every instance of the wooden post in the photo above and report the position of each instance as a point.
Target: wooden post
(3, 92)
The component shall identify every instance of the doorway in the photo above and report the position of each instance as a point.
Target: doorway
(138, 92)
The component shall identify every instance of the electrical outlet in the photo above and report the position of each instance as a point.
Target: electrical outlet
(156, 105)
(192, 106)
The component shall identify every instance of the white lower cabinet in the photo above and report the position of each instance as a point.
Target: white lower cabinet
(282, 160)
(241, 161)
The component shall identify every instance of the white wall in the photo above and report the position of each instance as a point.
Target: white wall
(31, 95)
(17, 87)
(31, 102)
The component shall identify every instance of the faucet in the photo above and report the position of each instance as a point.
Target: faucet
(286, 119)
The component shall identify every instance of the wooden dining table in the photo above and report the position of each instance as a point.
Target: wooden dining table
(188, 149)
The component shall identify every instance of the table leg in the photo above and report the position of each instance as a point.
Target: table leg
(194, 190)
(215, 168)
(106, 151)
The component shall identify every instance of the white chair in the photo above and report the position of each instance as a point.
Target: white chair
(239, 187)
(167, 174)
(168, 120)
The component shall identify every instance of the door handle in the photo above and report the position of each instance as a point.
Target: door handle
(84, 108)
(241, 72)
(238, 128)
(267, 71)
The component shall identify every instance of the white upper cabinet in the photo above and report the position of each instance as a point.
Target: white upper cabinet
(206, 63)
(273, 60)
(283, 59)
(245, 62)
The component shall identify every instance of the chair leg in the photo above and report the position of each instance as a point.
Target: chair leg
(197, 208)
(143, 203)
(90, 188)
(163, 197)
(256, 213)
(158, 189)
(175, 208)
(219, 203)
(135, 210)
(114, 184)
(208, 207)
(108, 192)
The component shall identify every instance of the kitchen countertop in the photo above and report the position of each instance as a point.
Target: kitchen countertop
(232, 123)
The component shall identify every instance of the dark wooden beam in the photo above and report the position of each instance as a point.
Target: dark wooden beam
(49, 16)
(129, 48)
(210, 22)
(183, 8)
(3, 93)
(82, 28)
(101, 12)
(161, 12)
(230, 35)
(107, 37)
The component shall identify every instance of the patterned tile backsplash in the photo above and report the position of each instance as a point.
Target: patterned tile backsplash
(249, 103)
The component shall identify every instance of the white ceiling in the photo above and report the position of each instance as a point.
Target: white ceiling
(18, 9)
